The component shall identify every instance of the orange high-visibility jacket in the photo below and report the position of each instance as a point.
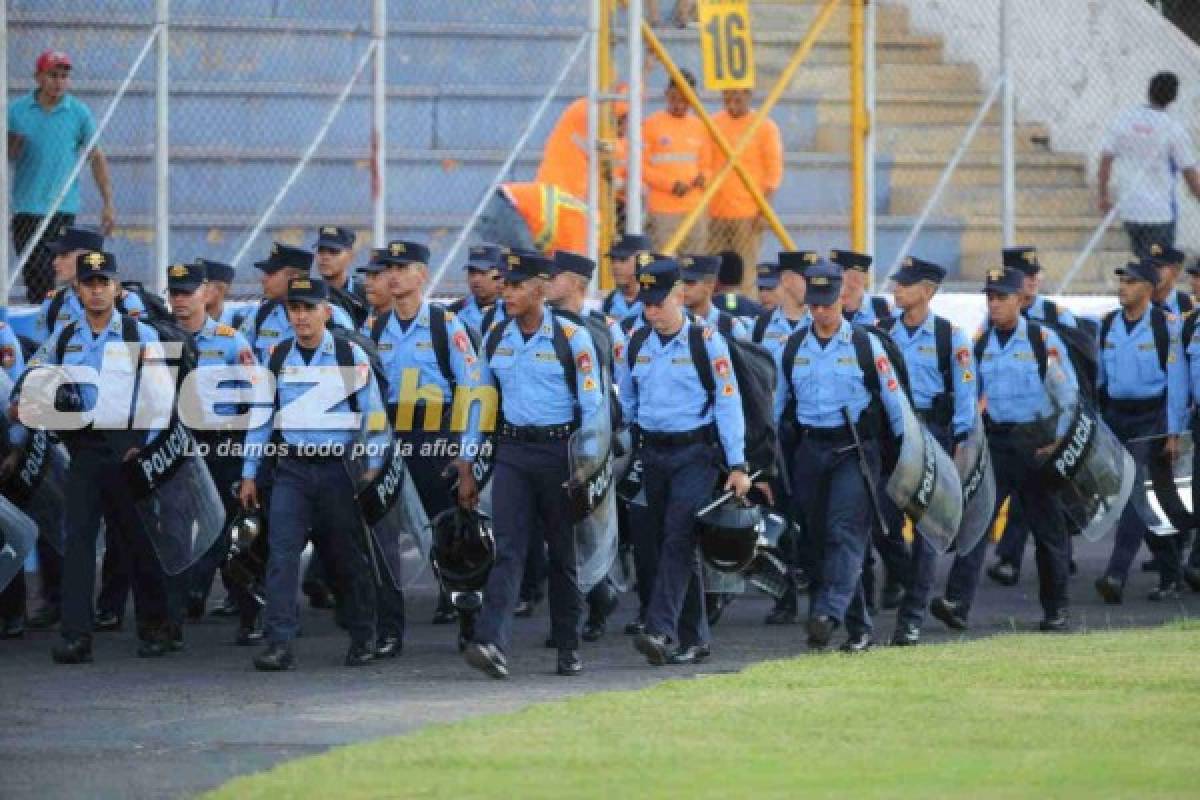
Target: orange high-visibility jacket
(674, 149)
(762, 160)
(564, 162)
(557, 220)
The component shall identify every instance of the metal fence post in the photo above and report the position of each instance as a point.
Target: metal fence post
(5, 282)
(869, 144)
(593, 133)
(162, 152)
(379, 31)
(633, 192)
(1008, 131)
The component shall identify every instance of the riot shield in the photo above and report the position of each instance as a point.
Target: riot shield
(393, 513)
(38, 485)
(175, 498)
(17, 535)
(591, 502)
(974, 463)
(1090, 471)
(1163, 499)
(925, 484)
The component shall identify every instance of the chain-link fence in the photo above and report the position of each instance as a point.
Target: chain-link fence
(1075, 69)
(272, 110)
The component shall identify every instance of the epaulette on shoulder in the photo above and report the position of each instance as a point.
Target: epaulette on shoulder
(225, 330)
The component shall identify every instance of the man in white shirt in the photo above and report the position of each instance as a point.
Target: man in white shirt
(1152, 149)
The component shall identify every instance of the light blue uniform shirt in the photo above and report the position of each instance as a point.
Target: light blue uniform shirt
(221, 345)
(1009, 379)
(865, 314)
(471, 314)
(276, 327)
(1130, 370)
(827, 379)
(1037, 312)
(412, 352)
(736, 328)
(532, 382)
(662, 392)
(622, 308)
(925, 378)
(1171, 304)
(51, 143)
(71, 310)
(291, 385)
(12, 360)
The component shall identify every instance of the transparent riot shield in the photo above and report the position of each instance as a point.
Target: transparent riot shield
(925, 484)
(395, 517)
(1163, 498)
(591, 501)
(175, 498)
(974, 463)
(17, 536)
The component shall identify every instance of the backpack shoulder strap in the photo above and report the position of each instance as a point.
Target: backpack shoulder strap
(379, 325)
(760, 326)
(943, 338)
(493, 338)
(1038, 344)
(1106, 324)
(866, 360)
(56, 304)
(608, 301)
(440, 338)
(1186, 303)
(1162, 336)
(278, 354)
(64, 336)
(343, 352)
(1050, 309)
(1189, 327)
(881, 308)
(458, 305)
(129, 330)
(699, 353)
(790, 350)
(981, 344)
(562, 349)
(725, 323)
(636, 341)
(260, 315)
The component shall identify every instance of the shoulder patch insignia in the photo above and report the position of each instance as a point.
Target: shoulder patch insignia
(722, 367)
(963, 356)
(589, 385)
(225, 330)
(727, 390)
(584, 362)
(968, 376)
(883, 365)
(892, 385)
(568, 331)
(708, 332)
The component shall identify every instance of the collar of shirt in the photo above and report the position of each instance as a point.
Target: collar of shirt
(680, 339)
(324, 348)
(514, 336)
(926, 327)
(61, 106)
(843, 334)
(421, 320)
(1019, 334)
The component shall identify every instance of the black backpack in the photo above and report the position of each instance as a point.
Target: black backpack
(562, 349)
(439, 337)
(1036, 343)
(1158, 326)
(1080, 342)
(754, 368)
(351, 304)
(156, 308)
(343, 339)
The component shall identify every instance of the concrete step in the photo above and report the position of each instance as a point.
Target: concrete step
(773, 16)
(905, 107)
(934, 139)
(1048, 170)
(916, 79)
(987, 200)
(1097, 268)
(982, 236)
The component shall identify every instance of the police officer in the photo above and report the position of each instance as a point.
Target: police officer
(312, 489)
(767, 284)
(218, 278)
(941, 374)
(772, 330)
(858, 307)
(62, 304)
(566, 293)
(678, 427)
(699, 275)
(825, 381)
(1167, 296)
(529, 358)
(1143, 387)
(95, 484)
(335, 253)
(377, 288)
(216, 345)
(727, 294)
(267, 324)
(623, 301)
(1193, 273)
(484, 262)
(1015, 394)
(422, 395)
(1034, 305)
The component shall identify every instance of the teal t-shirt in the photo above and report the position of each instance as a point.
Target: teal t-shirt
(51, 143)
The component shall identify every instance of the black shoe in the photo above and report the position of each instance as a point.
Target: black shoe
(782, 615)
(248, 635)
(593, 630)
(195, 605)
(360, 654)
(715, 605)
(228, 608)
(653, 646)
(276, 658)
(1191, 576)
(892, 596)
(444, 616)
(388, 646)
(1151, 565)
(569, 664)
(156, 647)
(524, 608)
(857, 643)
(1110, 589)
(906, 636)
(1164, 593)
(1004, 573)
(820, 631)
(318, 594)
(637, 627)
(950, 613)
(693, 654)
(44, 618)
(73, 651)
(1057, 623)
(486, 658)
(106, 622)
(12, 628)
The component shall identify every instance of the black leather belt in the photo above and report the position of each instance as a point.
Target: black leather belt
(838, 435)
(703, 435)
(1140, 405)
(537, 433)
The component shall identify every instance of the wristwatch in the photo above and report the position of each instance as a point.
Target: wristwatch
(742, 467)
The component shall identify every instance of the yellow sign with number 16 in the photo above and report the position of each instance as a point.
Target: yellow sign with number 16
(726, 44)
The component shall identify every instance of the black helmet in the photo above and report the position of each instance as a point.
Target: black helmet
(463, 549)
(729, 534)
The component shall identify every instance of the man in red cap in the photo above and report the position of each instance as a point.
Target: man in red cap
(47, 131)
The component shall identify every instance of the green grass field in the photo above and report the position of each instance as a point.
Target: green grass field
(1091, 715)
